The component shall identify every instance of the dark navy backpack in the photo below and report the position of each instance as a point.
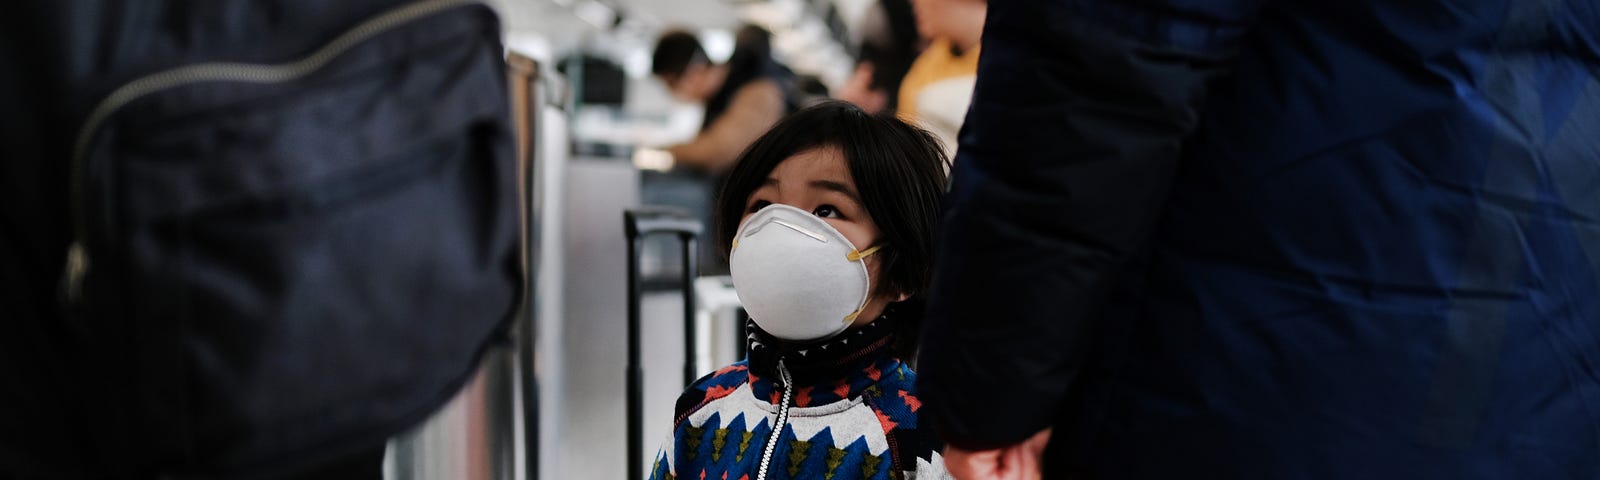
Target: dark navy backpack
(241, 236)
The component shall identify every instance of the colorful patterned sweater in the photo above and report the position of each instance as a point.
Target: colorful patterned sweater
(851, 413)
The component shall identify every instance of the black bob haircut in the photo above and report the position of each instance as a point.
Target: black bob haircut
(675, 52)
(899, 172)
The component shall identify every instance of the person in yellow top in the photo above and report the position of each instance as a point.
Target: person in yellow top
(937, 89)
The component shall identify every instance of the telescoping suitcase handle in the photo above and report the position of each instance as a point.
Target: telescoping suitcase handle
(643, 221)
(639, 223)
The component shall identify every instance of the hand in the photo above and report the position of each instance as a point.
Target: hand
(1022, 461)
(652, 159)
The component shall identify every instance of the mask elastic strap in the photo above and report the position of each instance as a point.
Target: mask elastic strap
(856, 256)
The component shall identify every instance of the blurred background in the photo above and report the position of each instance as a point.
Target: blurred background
(592, 111)
(602, 48)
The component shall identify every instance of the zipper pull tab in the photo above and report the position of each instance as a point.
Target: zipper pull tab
(72, 274)
(783, 374)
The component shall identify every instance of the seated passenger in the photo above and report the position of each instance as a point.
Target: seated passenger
(829, 223)
(742, 97)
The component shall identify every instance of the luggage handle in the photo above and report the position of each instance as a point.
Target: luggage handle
(644, 221)
(639, 223)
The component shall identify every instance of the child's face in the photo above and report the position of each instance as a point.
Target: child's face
(819, 181)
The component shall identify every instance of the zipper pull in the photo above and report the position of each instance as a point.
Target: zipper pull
(783, 376)
(72, 274)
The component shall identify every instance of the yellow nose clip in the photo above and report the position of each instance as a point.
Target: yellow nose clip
(857, 255)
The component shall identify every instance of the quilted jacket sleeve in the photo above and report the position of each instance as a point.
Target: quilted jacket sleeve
(1066, 157)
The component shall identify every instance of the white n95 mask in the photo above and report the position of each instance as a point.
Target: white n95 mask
(799, 278)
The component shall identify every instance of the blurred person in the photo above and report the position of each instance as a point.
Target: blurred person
(828, 221)
(810, 90)
(888, 46)
(743, 97)
(1290, 239)
(938, 87)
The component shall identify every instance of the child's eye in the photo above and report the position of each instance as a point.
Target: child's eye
(826, 211)
(758, 205)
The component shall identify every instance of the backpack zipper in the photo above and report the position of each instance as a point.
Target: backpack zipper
(77, 261)
(783, 420)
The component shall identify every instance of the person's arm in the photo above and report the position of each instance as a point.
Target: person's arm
(755, 108)
(1066, 157)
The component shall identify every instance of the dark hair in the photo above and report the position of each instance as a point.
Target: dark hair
(890, 46)
(752, 54)
(753, 41)
(899, 171)
(675, 52)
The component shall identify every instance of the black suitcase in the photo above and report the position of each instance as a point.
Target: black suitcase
(640, 223)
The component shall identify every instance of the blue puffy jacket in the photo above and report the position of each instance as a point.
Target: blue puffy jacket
(1278, 239)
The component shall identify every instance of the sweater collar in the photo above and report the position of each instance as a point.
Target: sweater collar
(823, 371)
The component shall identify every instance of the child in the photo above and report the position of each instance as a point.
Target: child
(829, 222)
